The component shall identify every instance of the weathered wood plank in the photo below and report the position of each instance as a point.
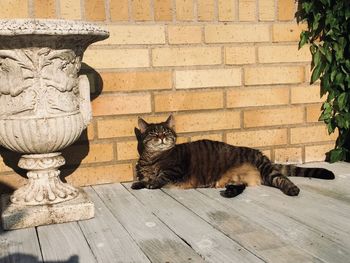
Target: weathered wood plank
(155, 239)
(254, 237)
(336, 189)
(211, 244)
(64, 242)
(316, 242)
(107, 238)
(19, 246)
(313, 210)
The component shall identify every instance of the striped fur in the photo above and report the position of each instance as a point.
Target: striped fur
(208, 163)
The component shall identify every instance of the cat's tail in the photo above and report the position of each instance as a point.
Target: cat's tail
(292, 170)
(232, 190)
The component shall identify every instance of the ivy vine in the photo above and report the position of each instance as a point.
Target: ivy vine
(328, 34)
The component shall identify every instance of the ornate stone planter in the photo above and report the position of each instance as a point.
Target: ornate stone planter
(44, 107)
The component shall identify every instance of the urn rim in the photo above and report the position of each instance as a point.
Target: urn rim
(54, 27)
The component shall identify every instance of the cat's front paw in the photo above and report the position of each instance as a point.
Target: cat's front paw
(138, 185)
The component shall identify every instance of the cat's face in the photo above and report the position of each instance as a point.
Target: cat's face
(155, 137)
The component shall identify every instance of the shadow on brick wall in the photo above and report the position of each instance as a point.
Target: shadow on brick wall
(10, 159)
(75, 153)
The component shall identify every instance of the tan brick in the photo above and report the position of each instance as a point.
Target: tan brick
(90, 131)
(119, 10)
(271, 117)
(285, 53)
(181, 139)
(183, 100)
(141, 10)
(122, 127)
(4, 167)
(313, 113)
(316, 133)
(258, 138)
(305, 94)
(206, 10)
(89, 153)
(236, 33)
(127, 150)
(184, 10)
(246, 97)
(187, 56)
(211, 136)
(84, 176)
(274, 75)
(184, 34)
(130, 81)
(95, 10)
(116, 58)
(208, 78)
(14, 9)
(288, 155)
(247, 10)
(286, 10)
(121, 104)
(207, 121)
(116, 128)
(308, 73)
(163, 10)
(135, 35)
(227, 10)
(239, 55)
(70, 9)
(287, 32)
(317, 153)
(45, 8)
(266, 10)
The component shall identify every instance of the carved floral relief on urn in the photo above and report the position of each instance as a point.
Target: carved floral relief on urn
(44, 102)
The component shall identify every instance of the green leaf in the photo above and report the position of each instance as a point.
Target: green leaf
(342, 100)
(316, 59)
(331, 127)
(316, 73)
(307, 6)
(327, 3)
(339, 79)
(303, 39)
(316, 23)
(336, 155)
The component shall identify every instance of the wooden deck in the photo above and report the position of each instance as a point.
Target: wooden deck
(261, 225)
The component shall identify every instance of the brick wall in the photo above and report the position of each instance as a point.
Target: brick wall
(229, 70)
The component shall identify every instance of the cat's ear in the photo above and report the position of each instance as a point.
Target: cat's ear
(137, 133)
(142, 124)
(170, 122)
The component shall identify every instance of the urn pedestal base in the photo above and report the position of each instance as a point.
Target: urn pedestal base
(15, 216)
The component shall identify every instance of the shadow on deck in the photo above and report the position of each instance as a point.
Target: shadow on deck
(170, 225)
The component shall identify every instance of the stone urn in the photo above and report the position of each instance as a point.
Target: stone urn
(44, 107)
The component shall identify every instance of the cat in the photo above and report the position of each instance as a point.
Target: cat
(206, 163)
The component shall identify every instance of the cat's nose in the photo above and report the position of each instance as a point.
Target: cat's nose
(161, 136)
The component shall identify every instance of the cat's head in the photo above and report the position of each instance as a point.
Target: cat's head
(155, 137)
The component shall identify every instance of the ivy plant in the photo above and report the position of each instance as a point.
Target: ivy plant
(328, 34)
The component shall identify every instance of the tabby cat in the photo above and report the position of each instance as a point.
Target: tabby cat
(208, 163)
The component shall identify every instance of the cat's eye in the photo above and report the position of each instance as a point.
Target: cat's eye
(152, 133)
